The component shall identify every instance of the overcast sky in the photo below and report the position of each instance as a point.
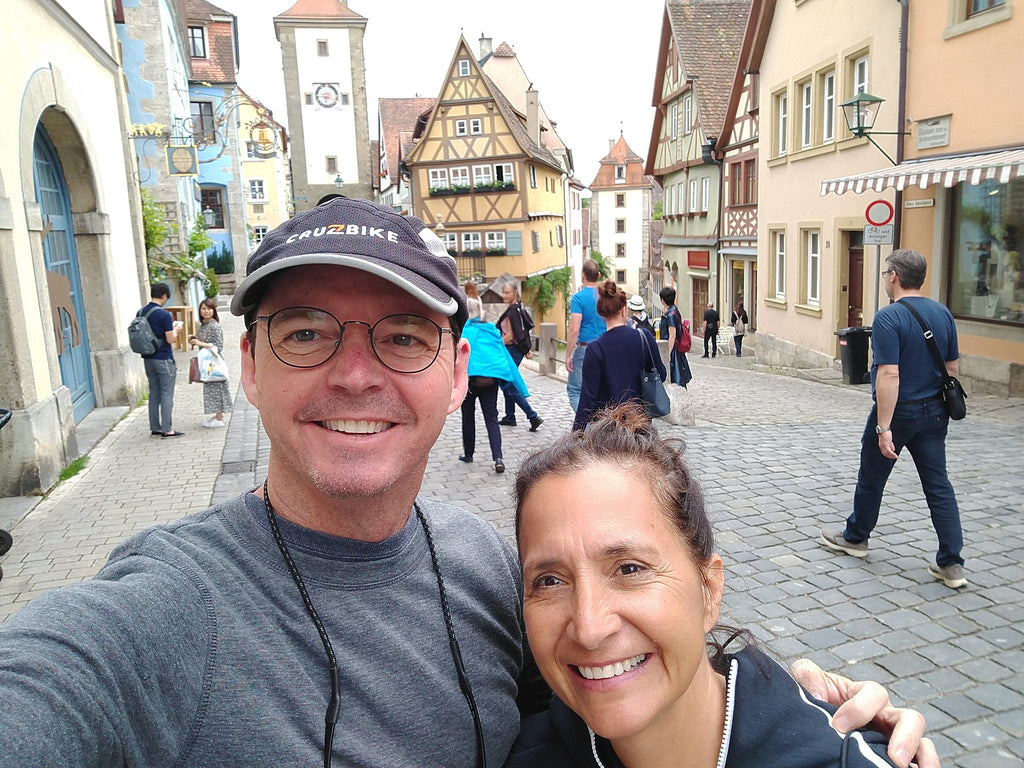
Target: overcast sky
(592, 63)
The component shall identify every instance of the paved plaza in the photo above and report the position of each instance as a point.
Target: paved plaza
(777, 455)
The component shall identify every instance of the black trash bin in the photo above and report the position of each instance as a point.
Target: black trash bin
(853, 348)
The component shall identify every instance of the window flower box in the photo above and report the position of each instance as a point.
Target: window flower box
(472, 252)
(495, 251)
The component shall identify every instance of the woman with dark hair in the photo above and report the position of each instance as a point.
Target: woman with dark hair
(216, 394)
(622, 592)
(739, 322)
(614, 362)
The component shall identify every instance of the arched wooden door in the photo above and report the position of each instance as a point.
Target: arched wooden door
(63, 277)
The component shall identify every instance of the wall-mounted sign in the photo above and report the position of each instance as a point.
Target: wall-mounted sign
(698, 259)
(878, 235)
(927, 203)
(326, 95)
(182, 160)
(933, 132)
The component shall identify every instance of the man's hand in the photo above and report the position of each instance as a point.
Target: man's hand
(866, 704)
(568, 362)
(885, 445)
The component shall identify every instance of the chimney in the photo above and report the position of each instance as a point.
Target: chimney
(485, 46)
(532, 115)
(611, 145)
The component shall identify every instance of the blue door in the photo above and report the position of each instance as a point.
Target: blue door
(63, 278)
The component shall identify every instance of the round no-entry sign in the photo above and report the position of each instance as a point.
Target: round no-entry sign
(879, 212)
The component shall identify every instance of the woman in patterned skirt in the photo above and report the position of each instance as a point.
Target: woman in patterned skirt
(216, 394)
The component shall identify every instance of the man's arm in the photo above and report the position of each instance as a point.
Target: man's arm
(575, 320)
(866, 704)
(952, 367)
(887, 390)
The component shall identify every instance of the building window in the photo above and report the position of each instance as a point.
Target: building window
(202, 121)
(806, 114)
(321, 48)
(495, 241)
(197, 42)
(461, 128)
(986, 277)
(620, 252)
(460, 176)
(705, 194)
(781, 123)
(620, 225)
(463, 67)
(620, 173)
(687, 112)
(694, 200)
(620, 275)
(533, 176)
(331, 164)
(559, 235)
(860, 75)
(680, 198)
(979, 6)
(813, 245)
(673, 124)
(451, 242)
(750, 177)
(535, 240)
(503, 172)
(258, 233)
(308, 97)
(482, 175)
(828, 107)
(779, 263)
(470, 241)
(735, 183)
(620, 200)
(476, 126)
(439, 178)
(256, 190)
(213, 198)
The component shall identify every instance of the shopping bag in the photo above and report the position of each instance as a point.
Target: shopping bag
(211, 365)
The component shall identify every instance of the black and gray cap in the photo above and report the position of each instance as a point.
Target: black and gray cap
(347, 232)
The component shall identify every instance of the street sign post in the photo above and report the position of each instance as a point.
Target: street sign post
(878, 232)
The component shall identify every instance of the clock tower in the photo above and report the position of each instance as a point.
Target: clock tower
(325, 86)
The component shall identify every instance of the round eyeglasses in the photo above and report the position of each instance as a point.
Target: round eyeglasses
(305, 337)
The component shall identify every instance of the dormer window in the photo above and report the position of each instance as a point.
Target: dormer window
(620, 173)
(463, 67)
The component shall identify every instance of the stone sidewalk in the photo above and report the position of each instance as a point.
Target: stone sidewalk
(777, 453)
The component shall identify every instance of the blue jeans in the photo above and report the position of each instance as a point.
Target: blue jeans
(574, 383)
(921, 429)
(738, 340)
(513, 396)
(161, 375)
(488, 397)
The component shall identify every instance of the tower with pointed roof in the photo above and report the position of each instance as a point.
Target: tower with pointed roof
(325, 85)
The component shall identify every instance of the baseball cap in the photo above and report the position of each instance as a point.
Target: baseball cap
(635, 303)
(348, 232)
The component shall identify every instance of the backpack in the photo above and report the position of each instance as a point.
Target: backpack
(141, 337)
(683, 340)
(523, 340)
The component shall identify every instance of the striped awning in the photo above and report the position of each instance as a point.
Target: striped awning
(1002, 166)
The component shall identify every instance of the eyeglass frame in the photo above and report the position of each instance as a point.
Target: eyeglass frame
(441, 331)
(887, 272)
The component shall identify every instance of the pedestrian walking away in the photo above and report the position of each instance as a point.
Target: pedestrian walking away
(331, 615)
(677, 331)
(710, 329)
(585, 325)
(474, 306)
(908, 413)
(216, 394)
(161, 370)
(739, 323)
(638, 317)
(515, 324)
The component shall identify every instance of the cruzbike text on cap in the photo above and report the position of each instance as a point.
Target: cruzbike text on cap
(347, 232)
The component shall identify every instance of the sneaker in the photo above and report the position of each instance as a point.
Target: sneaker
(213, 422)
(507, 422)
(467, 459)
(834, 540)
(535, 422)
(499, 466)
(952, 575)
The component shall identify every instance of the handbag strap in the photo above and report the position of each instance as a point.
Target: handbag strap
(930, 338)
(647, 349)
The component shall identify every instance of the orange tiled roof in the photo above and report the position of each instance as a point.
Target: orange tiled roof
(621, 154)
(319, 9)
(398, 119)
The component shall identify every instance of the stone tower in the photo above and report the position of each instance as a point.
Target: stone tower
(325, 86)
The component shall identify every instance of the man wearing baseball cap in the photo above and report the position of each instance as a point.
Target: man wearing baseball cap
(332, 594)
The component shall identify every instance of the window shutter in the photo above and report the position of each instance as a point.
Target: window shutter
(514, 243)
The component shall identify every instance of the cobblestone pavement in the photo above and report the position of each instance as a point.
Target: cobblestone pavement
(777, 454)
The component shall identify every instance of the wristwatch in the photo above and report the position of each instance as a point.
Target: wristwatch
(880, 430)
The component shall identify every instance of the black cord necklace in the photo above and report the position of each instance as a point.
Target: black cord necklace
(333, 705)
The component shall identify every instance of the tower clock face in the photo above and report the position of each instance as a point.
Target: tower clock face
(326, 95)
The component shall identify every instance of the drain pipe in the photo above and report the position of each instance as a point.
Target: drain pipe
(901, 117)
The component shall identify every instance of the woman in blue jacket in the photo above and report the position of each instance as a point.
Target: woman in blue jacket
(490, 366)
(622, 591)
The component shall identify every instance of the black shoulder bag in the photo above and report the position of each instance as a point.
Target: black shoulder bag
(952, 392)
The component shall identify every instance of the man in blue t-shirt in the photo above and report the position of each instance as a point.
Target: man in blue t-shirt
(585, 325)
(160, 366)
(909, 411)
